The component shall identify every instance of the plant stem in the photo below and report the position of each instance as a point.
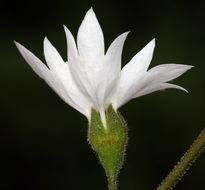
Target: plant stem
(112, 183)
(184, 164)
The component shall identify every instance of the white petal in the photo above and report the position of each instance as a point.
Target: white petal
(132, 77)
(114, 52)
(61, 81)
(135, 81)
(36, 64)
(167, 72)
(90, 38)
(72, 52)
(141, 61)
(87, 78)
(74, 96)
(61, 71)
(129, 83)
(40, 69)
(52, 56)
(156, 87)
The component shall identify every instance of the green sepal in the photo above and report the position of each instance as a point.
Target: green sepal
(109, 142)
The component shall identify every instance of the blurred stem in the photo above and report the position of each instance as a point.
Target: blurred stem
(184, 164)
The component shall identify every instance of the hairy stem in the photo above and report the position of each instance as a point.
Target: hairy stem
(112, 183)
(184, 164)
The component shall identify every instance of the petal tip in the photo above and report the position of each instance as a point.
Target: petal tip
(153, 42)
(151, 45)
(65, 28)
(190, 66)
(90, 12)
(45, 39)
(18, 45)
(187, 67)
(183, 89)
(15, 42)
(67, 31)
(180, 88)
(46, 42)
(126, 33)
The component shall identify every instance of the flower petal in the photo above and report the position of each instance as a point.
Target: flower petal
(114, 52)
(167, 72)
(155, 87)
(59, 79)
(35, 63)
(75, 97)
(40, 69)
(90, 38)
(132, 76)
(77, 67)
(141, 61)
(52, 56)
(128, 84)
(88, 78)
(72, 52)
(62, 73)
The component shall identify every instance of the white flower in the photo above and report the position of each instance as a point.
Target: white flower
(92, 78)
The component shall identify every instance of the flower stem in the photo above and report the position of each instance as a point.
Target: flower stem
(184, 164)
(112, 183)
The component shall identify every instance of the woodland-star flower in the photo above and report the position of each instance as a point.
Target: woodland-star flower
(91, 78)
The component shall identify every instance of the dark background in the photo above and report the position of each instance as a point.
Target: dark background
(43, 141)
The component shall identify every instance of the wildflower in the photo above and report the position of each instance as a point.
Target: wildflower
(92, 82)
(91, 78)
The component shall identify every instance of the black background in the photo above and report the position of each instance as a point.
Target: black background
(43, 141)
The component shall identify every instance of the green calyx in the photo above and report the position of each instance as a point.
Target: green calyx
(109, 142)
